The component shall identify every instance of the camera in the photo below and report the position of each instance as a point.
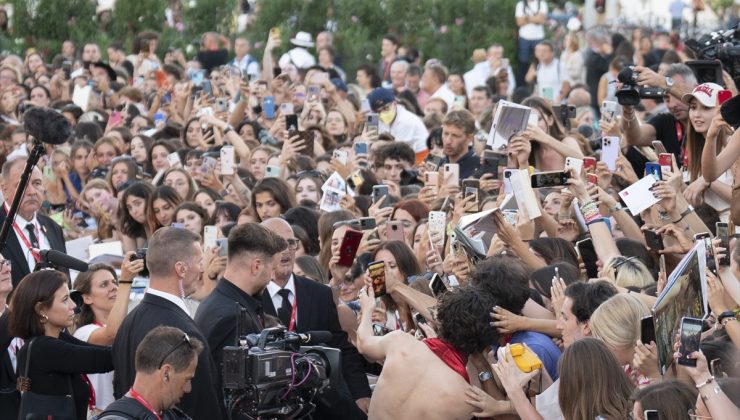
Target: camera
(140, 254)
(721, 45)
(271, 376)
(630, 94)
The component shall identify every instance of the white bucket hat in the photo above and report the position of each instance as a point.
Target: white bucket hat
(303, 39)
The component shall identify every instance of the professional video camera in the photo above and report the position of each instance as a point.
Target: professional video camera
(271, 376)
(720, 45)
(630, 94)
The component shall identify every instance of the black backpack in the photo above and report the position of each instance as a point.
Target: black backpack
(129, 409)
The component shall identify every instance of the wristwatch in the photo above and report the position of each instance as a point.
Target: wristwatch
(485, 376)
(669, 84)
(726, 314)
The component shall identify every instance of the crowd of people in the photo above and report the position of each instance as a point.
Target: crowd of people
(247, 193)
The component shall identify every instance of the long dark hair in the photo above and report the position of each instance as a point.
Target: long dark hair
(129, 226)
(281, 192)
(165, 193)
(36, 288)
(83, 284)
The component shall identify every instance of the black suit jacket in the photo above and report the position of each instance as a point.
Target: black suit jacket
(14, 252)
(203, 402)
(217, 317)
(317, 312)
(10, 399)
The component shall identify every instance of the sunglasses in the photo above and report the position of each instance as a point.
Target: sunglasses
(185, 340)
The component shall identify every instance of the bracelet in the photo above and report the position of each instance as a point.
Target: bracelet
(228, 128)
(684, 214)
(727, 320)
(708, 381)
(597, 220)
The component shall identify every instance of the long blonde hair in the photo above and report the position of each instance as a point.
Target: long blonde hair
(616, 322)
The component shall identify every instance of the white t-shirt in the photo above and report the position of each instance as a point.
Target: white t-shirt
(549, 77)
(531, 31)
(101, 382)
(408, 128)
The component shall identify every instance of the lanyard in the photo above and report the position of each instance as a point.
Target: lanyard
(23, 237)
(293, 312)
(684, 152)
(135, 395)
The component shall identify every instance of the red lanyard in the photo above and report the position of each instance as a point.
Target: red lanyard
(684, 152)
(23, 237)
(135, 395)
(293, 312)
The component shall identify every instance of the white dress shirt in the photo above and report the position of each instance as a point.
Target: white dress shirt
(177, 300)
(277, 300)
(41, 231)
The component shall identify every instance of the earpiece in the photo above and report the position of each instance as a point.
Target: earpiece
(166, 376)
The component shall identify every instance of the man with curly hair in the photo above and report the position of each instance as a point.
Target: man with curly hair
(427, 379)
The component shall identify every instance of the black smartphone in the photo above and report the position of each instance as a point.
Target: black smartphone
(650, 415)
(490, 163)
(702, 235)
(291, 122)
(432, 162)
(419, 319)
(437, 286)
(379, 191)
(647, 330)
(549, 179)
(723, 233)
(690, 340)
(587, 253)
(653, 240)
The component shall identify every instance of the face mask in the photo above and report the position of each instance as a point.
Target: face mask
(387, 116)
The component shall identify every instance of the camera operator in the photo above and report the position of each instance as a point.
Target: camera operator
(166, 360)
(248, 270)
(175, 263)
(305, 305)
(670, 127)
(428, 379)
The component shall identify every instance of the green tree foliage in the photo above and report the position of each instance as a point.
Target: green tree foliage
(209, 15)
(446, 29)
(45, 24)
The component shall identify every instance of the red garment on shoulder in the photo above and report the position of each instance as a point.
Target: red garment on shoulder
(450, 355)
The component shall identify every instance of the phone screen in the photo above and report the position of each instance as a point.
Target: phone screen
(588, 256)
(723, 234)
(437, 286)
(690, 340)
(647, 330)
(377, 275)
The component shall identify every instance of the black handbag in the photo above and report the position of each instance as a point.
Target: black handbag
(39, 406)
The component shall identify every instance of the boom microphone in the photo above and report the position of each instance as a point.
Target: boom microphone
(47, 125)
(61, 259)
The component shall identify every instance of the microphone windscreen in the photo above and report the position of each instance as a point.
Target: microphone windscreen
(47, 125)
(730, 111)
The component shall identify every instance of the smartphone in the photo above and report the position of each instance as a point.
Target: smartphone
(490, 163)
(379, 191)
(647, 330)
(574, 163)
(367, 223)
(372, 122)
(593, 179)
(452, 174)
(666, 162)
(709, 255)
(223, 247)
(348, 248)
(419, 319)
(587, 253)
(275, 32)
(431, 179)
(650, 415)
(355, 180)
(690, 340)
(286, 108)
(308, 137)
(268, 107)
(197, 77)
(361, 148)
(610, 152)
(608, 110)
(291, 122)
(437, 226)
(227, 160)
(394, 231)
(658, 146)
(432, 162)
(222, 104)
(272, 171)
(377, 275)
(209, 164)
(589, 164)
(437, 286)
(653, 240)
(116, 117)
(549, 179)
(210, 234)
(207, 87)
(702, 235)
(159, 118)
(507, 181)
(174, 160)
(313, 93)
(653, 168)
(341, 155)
(723, 233)
(473, 206)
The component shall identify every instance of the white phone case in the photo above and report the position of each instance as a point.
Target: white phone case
(174, 160)
(452, 174)
(210, 233)
(610, 152)
(227, 160)
(341, 156)
(575, 163)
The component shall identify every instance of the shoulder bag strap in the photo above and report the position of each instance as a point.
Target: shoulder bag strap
(28, 358)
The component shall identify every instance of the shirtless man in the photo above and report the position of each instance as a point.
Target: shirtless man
(427, 379)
